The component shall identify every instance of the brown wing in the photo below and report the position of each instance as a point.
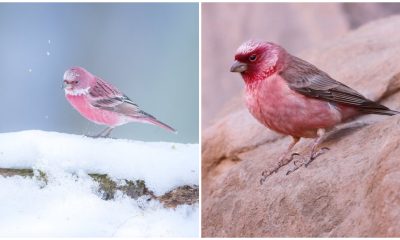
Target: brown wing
(308, 80)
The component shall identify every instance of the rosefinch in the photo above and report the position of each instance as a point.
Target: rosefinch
(102, 103)
(293, 97)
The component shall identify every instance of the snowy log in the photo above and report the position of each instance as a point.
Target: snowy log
(164, 171)
(108, 187)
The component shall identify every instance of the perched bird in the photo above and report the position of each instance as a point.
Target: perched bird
(102, 103)
(293, 97)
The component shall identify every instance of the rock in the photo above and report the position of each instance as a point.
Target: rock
(353, 190)
(358, 13)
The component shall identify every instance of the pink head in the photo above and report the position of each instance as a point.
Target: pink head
(77, 81)
(257, 60)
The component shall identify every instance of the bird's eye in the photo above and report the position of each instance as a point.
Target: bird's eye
(75, 82)
(252, 58)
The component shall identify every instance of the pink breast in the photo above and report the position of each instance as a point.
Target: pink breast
(283, 110)
(103, 117)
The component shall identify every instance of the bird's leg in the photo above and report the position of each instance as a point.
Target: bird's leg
(283, 160)
(107, 132)
(322, 136)
(103, 134)
(314, 152)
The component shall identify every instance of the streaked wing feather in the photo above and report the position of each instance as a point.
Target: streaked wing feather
(109, 98)
(308, 80)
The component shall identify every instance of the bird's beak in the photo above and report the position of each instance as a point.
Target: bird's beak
(238, 67)
(65, 85)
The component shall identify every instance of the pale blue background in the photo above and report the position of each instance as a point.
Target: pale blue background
(149, 51)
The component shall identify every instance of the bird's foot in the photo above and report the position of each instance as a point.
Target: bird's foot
(103, 134)
(282, 162)
(297, 164)
(90, 136)
(316, 154)
(94, 136)
(98, 136)
(305, 162)
(265, 174)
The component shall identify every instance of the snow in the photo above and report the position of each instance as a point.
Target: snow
(69, 204)
(164, 166)
(69, 208)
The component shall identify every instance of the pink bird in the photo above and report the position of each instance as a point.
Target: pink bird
(102, 103)
(293, 97)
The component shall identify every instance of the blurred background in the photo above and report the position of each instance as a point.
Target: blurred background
(148, 51)
(295, 26)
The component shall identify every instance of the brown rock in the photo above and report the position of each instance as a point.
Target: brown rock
(353, 190)
(358, 13)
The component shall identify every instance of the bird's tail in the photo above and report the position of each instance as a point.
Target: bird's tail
(154, 121)
(381, 111)
(143, 116)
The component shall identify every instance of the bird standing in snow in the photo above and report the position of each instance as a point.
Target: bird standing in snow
(293, 97)
(102, 103)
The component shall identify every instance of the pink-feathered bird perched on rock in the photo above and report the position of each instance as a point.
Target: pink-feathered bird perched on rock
(293, 97)
(102, 103)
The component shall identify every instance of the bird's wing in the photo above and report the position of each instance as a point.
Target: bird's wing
(107, 97)
(308, 80)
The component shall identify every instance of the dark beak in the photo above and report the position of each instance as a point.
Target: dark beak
(238, 67)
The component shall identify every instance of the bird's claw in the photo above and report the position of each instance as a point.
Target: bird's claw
(95, 136)
(103, 134)
(316, 154)
(262, 180)
(90, 136)
(266, 173)
(297, 164)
